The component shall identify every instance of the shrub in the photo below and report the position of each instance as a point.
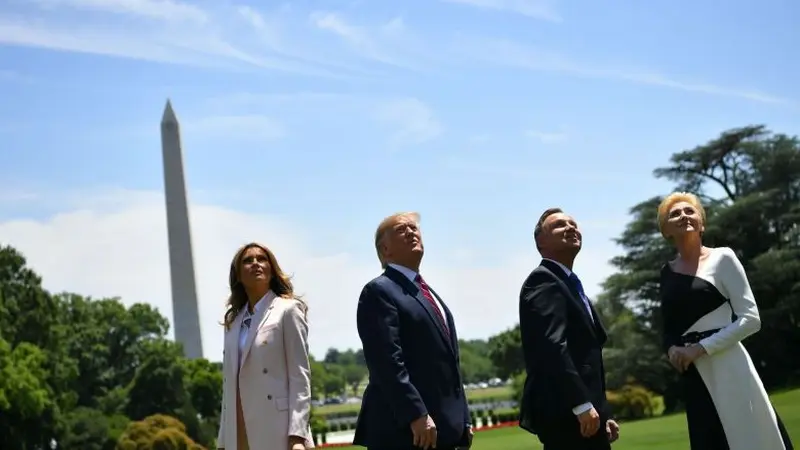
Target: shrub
(633, 402)
(316, 421)
(157, 432)
(506, 415)
(518, 386)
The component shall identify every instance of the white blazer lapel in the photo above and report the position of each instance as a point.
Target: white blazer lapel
(232, 342)
(258, 318)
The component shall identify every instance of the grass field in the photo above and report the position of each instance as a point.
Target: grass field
(474, 395)
(663, 433)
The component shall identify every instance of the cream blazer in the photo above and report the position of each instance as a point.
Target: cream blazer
(274, 384)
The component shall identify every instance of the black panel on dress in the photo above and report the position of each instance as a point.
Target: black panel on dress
(685, 299)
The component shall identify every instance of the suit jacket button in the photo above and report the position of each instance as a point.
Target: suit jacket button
(265, 370)
(269, 397)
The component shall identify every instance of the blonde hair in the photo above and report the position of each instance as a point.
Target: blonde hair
(280, 283)
(676, 197)
(384, 226)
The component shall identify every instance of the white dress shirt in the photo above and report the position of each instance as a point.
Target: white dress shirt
(244, 331)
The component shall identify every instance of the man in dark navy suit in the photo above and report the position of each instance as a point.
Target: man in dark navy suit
(564, 399)
(415, 396)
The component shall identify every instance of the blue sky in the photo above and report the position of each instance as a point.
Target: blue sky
(304, 123)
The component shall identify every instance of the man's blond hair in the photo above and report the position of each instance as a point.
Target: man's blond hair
(387, 224)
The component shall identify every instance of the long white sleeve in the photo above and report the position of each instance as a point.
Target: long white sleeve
(732, 278)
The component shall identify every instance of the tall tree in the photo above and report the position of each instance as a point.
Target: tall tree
(749, 180)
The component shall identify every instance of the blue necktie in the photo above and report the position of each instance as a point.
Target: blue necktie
(577, 282)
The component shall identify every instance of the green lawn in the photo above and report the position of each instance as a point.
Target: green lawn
(502, 392)
(663, 433)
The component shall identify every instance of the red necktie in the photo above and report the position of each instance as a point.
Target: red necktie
(426, 292)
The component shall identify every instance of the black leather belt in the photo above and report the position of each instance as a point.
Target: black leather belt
(696, 336)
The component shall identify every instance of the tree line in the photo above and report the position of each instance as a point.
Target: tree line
(343, 373)
(749, 181)
(92, 374)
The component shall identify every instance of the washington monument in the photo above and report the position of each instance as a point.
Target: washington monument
(185, 316)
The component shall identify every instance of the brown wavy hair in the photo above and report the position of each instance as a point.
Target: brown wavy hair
(280, 283)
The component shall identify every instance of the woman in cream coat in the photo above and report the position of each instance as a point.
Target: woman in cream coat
(266, 395)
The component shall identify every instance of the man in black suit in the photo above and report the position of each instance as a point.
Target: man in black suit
(415, 396)
(564, 400)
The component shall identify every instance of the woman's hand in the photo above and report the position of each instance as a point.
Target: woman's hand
(297, 443)
(675, 357)
(682, 357)
(691, 353)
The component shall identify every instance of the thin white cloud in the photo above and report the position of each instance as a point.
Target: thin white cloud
(194, 48)
(72, 251)
(546, 137)
(272, 31)
(167, 10)
(239, 37)
(479, 138)
(388, 43)
(413, 122)
(407, 121)
(251, 127)
(12, 196)
(335, 24)
(170, 32)
(488, 171)
(512, 54)
(13, 76)
(267, 29)
(304, 98)
(537, 9)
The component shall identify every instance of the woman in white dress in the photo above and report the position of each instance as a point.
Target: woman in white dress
(266, 386)
(708, 308)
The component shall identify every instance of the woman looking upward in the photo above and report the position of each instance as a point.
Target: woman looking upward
(266, 394)
(708, 308)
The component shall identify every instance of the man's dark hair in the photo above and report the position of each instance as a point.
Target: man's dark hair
(538, 229)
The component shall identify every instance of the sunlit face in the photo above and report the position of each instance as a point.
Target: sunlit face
(559, 233)
(683, 217)
(255, 270)
(403, 240)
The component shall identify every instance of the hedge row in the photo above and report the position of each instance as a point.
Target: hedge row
(354, 412)
(630, 402)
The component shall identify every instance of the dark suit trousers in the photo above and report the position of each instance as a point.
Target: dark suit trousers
(411, 448)
(567, 436)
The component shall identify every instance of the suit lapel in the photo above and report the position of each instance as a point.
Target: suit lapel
(601, 330)
(448, 316)
(258, 319)
(416, 292)
(576, 296)
(231, 359)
